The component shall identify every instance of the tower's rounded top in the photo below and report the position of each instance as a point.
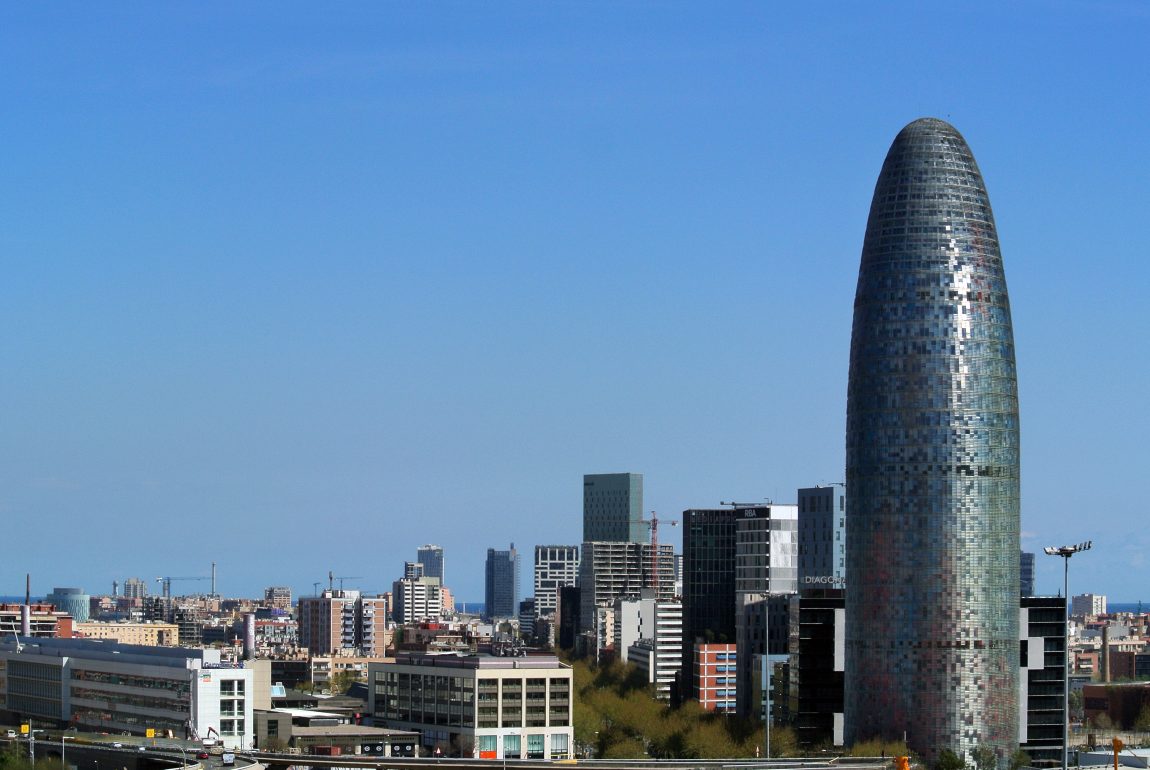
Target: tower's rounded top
(929, 126)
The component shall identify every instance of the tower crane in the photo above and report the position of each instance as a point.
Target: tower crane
(166, 583)
(331, 577)
(653, 528)
(655, 551)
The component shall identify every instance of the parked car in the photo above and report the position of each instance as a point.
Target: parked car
(202, 755)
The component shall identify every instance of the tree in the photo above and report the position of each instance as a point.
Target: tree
(1102, 721)
(1142, 723)
(948, 760)
(984, 758)
(1075, 703)
(342, 680)
(1019, 760)
(274, 744)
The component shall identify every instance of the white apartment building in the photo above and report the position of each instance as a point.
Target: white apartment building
(556, 566)
(649, 633)
(417, 600)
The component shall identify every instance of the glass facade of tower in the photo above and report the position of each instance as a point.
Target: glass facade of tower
(932, 461)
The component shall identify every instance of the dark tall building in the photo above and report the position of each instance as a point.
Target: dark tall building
(932, 462)
(1026, 573)
(613, 508)
(431, 557)
(501, 583)
(1042, 687)
(708, 583)
(816, 668)
(822, 537)
(568, 612)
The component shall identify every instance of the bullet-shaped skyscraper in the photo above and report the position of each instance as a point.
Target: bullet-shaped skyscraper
(932, 461)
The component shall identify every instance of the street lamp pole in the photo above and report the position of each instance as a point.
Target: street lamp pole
(1065, 552)
(183, 751)
(62, 739)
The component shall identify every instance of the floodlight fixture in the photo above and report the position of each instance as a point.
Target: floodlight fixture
(1066, 551)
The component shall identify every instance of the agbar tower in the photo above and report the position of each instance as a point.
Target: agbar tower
(932, 461)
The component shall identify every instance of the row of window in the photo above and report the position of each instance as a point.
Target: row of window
(513, 746)
(180, 686)
(129, 700)
(232, 687)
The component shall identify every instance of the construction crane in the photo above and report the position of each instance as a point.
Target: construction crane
(655, 551)
(166, 582)
(331, 577)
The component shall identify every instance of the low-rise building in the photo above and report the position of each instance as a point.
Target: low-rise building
(479, 706)
(714, 676)
(148, 634)
(325, 667)
(105, 686)
(42, 621)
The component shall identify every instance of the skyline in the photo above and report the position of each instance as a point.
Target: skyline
(378, 268)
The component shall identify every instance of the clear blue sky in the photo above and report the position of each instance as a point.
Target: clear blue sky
(297, 288)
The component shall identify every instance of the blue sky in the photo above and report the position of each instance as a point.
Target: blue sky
(299, 288)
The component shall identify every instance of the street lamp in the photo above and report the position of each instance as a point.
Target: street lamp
(32, 741)
(1066, 551)
(62, 739)
(183, 751)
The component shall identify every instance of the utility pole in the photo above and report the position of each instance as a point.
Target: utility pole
(1066, 551)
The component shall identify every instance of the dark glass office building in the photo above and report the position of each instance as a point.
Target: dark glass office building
(932, 462)
(501, 584)
(708, 584)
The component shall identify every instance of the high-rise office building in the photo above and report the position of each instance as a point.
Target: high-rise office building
(1042, 686)
(555, 566)
(708, 585)
(431, 557)
(822, 537)
(1026, 573)
(413, 570)
(766, 575)
(613, 508)
(932, 462)
(134, 588)
(501, 583)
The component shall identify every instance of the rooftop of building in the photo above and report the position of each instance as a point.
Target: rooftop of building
(112, 650)
(476, 661)
(335, 731)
